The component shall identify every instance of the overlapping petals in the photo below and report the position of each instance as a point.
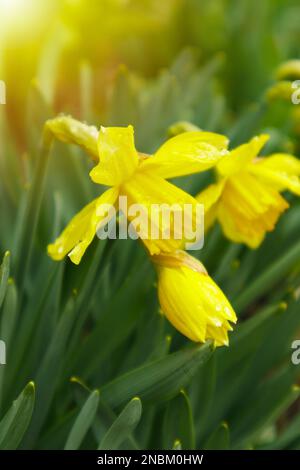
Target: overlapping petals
(141, 180)
(281, 171)
(246, 200)
(149, 191)
(203, 312)
(249, 209)
(81, 230)
(187, 153)
(118, 156)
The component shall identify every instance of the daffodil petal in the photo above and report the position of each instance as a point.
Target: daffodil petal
(118, 156)
(209, 197)
(238, 159)
(149, 191)
(187, 153)
(71, 131)
(203, 312)
(248, 235)
(282, 162)
(280, 171)
(249, 209)
(81, 230)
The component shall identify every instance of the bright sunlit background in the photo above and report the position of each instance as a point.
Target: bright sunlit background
(60, 44)
(21, 19)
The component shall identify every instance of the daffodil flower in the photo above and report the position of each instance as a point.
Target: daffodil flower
(246, 199)
(128, 173)
(191, 300)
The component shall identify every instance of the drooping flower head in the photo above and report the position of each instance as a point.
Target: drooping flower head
(246, 199)
(128, 173)
(191, 300)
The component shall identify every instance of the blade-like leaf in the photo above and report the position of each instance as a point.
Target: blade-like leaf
(48, 373)
(83, 422)
(219, 439)
(25, 239)
(15, 422)
(269, 400)
(122, 426)
(158, 380)
(178, 423)
(277, 271)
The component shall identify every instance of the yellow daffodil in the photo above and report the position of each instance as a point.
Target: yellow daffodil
(142, 179)
(191, 300)
(246, 199)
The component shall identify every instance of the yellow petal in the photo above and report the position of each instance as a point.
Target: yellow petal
(187, 153)
(203, 312)
(238, 159)
(150, 192)
(71, 131)
(81, 230)
(249, 209)
(210, 195)
(118, 156)
(282, 162)
(280, 171)
(248, 234)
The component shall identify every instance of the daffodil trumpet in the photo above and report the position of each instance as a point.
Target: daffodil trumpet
(128, 173)
(191, 300)
(246, 198)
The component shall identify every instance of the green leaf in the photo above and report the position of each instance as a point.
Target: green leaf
(178, 423)
(123, 426)
(123, 310)
(201, 393)
(50, 367)
(262, 283)
(4, 274)
(83, 422)
(15, 422)
(93, 274)
(7, 327)
(268, 402)
(158, 380)
(219, 439)
(25, 336)
(28, 224)
(248, 336)
(248, 355)
(104, 418)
